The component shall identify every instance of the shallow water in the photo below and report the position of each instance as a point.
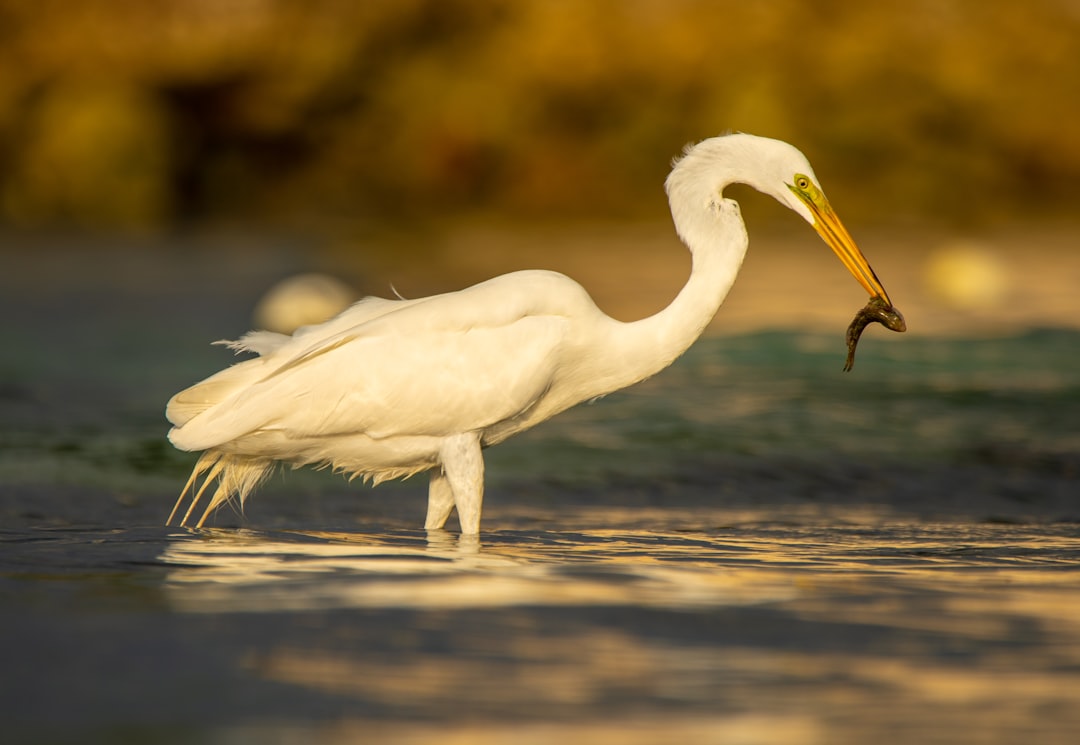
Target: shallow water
(752, 547)
(750, 631)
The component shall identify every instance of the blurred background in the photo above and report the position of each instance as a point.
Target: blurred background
(125, 115)
(165, 166)
(432, 143)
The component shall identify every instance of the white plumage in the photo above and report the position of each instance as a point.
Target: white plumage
(390, 388)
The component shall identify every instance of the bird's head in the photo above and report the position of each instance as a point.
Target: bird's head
(807, 199)
(778, 169)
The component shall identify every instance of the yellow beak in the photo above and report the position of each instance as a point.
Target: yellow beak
(833, 232)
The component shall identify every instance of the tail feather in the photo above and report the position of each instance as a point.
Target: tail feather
(236, 475)
(214, 472)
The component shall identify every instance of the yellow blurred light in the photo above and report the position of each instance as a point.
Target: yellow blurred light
(967, 275)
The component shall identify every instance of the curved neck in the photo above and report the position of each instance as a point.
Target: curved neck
(712, 228)
(717, 241)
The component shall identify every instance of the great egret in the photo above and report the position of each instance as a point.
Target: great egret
(391, 388)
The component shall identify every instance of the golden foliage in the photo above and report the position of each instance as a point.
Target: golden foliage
(124, 112)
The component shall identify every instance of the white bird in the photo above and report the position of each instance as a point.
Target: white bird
(391, 388)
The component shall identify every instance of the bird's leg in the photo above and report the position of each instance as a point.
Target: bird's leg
(463, 468)
(440, 500)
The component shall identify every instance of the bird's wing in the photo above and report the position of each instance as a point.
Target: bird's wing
(273, 349)
(450, 363)
(360, 312)
(206, 394)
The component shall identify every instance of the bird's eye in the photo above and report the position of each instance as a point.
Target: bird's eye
(802, 182)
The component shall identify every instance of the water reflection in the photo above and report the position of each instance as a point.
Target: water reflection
(246, 571)
(756, 633)
(228, 570)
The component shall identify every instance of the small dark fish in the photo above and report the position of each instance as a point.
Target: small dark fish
(875, 311)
